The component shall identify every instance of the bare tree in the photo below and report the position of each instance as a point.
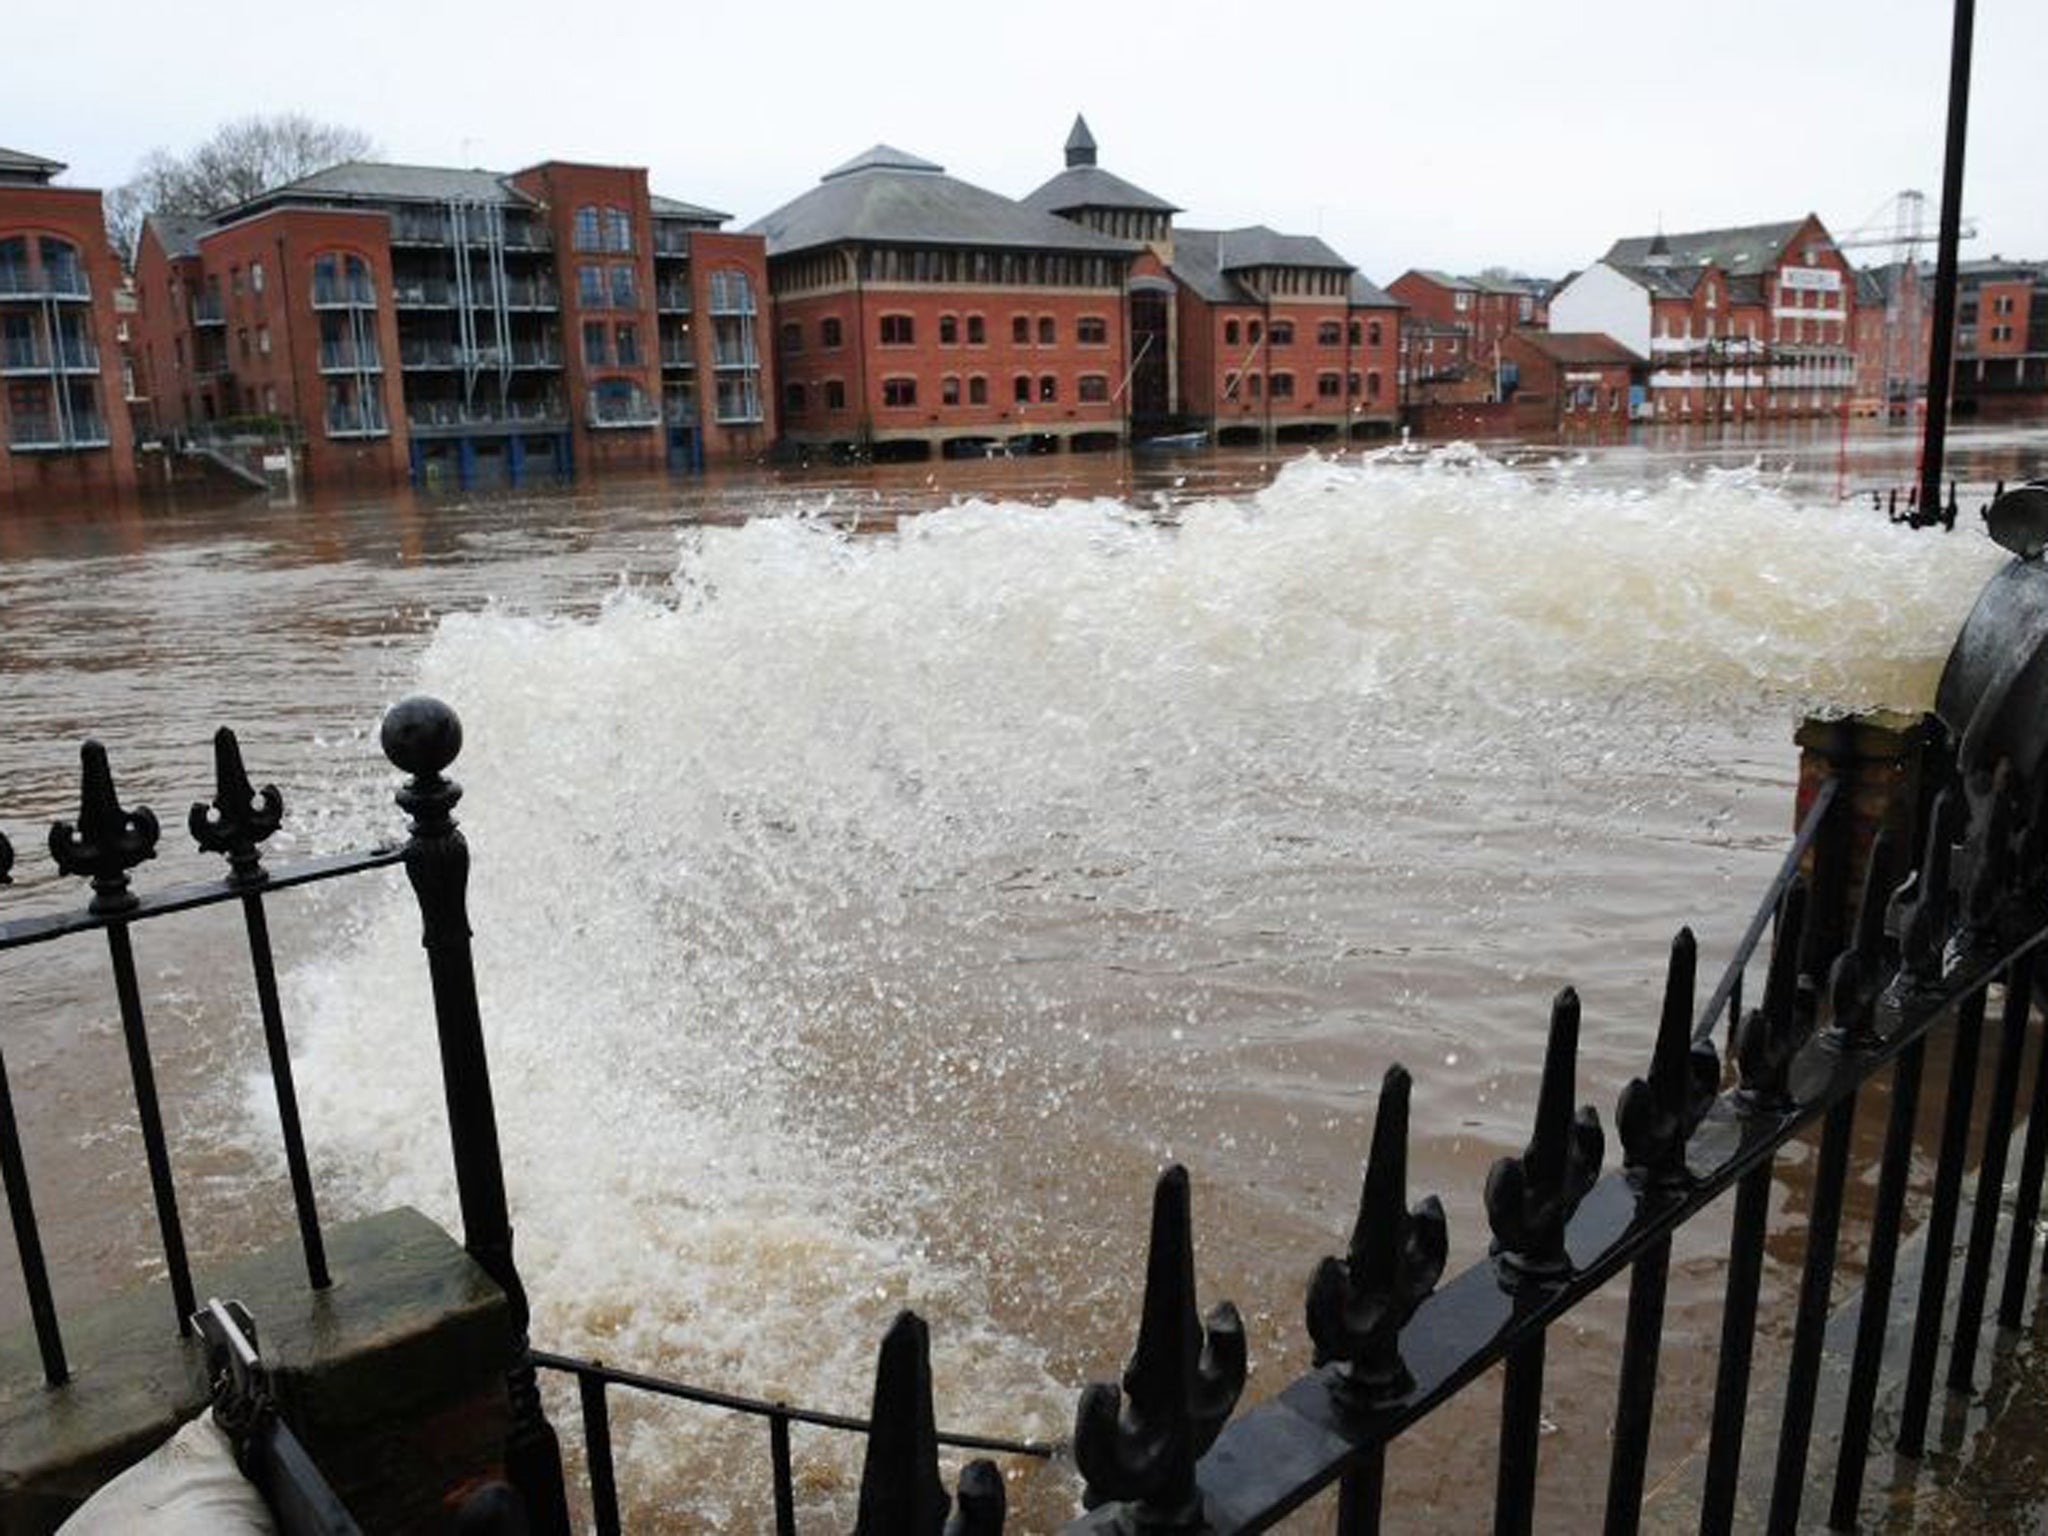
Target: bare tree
(241, 159)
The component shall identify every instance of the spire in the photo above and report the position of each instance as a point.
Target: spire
(1660, 249)
(1080, 143)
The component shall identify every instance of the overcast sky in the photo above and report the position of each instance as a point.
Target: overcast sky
(1445, 135)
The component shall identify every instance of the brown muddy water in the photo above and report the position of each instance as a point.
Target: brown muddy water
(868, 904)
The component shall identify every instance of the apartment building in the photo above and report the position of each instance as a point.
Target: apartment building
(421, 321)
(63, 416)
(1738, 324)
(2001, 355)
(1569, 383)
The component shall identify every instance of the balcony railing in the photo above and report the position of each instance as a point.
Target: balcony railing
(735, 354)
(431, 414)
(422, 355)
(415, 228)
(344, 293)
(62, 282)
(439, 293)
(347, 357)
(671, 241)
(46, 434)
(206, 309)
(356, 421)
(676, 354)
(673, 298)
(615, 411)
(72, 355)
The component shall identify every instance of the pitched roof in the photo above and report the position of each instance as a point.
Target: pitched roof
(1080, 143)
(675, 208)
(18, 163)
(1580, 347)
(1367, 294)
(177, 234)
(1442, 279)
(1258, 246)
(888, 197)
(1667, 282)
(1089, 186)
(1744, 251)
(376, 181)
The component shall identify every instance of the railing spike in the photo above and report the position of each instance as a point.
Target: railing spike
(982, 1503)
(1139, 1445)
(1656, 1117)
(1918, 916)
(1530, 1199)
(1858, 975)
(1358, 1305)
(900, 1490)
(240, 816)
(1769, 1037)
(106, 841)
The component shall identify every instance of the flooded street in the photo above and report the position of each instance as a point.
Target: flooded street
(867, 904)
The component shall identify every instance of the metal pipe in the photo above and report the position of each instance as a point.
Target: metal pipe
(2012, 1039)
(1941, 352)
(28, 1240)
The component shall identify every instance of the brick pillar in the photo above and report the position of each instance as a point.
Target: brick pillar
(1883, 759)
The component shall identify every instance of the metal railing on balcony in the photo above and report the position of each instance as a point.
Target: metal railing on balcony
(673, 298)
(18, 281)
(415, 227)
(618, 408)
(344, 293)
(364, 420)
(41, 433)
(453, 414)
(678, 354)
(206, 309)
(727, 352)
(671, 240)
(348, 357)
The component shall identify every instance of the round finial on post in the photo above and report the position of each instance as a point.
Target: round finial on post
(421, 735)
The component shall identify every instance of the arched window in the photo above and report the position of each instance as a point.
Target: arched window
(1230, 333)
(1048, 388)
(1329, 334)
(63, 269)
(1281, 334)
(1021, 388)
(977, 390)
(618, 230)
(589, 233)
(828, 332)
(1372, 334)
(949, 330)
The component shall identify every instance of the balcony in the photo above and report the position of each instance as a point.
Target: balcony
(206, 310)
(677, 354)
(735, 354)
(422, 355)
(731, 294)
(31, 356)
(47, 434)
(366, 420)
(347, 357)
(433, 417)
(416, 227)
(341, 293)
(62, 282)
(616, 410)
(670, 240)
(672, 298)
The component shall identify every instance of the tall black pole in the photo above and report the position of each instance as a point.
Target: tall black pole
(1941, 353)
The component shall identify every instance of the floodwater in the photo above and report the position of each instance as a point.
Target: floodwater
(867, 904)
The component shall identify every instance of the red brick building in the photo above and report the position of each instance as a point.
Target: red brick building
(1738, 324)
(2001, 366)
(916, 312)
(1568, 382)
(1454, 328)
(415, 320)
(63, 416)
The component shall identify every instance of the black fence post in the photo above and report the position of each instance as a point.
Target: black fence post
(422, 736)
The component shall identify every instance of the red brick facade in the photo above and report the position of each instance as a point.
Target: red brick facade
(64, 424)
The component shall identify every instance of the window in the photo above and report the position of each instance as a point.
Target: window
(242, 338)
(587, 236)
(1020, 330)
(256, 276)
(590, 287)
(897, 331)
(1021, 388)
(793, 399)
(1230, 383)
(1282, 387)
(1352, 383)
(949, 330)
(835, 394)
(791, 336)
(899, 392)
(618, 230)
(977, 390)
(1329, 386)
(235, 281)
(949, 390)
(1253, 385)
(1092, 331)
(627, 345)
(1251, 333)
(1230, 333)
(1048, 388)
(1281, 334)
(1092, 388)
(977, 331)
(1372, 384)
(1330, 334)
(593, 344)
(1461, 302)
(1354, 333)
(1048, 331)
(1372, 334)
(263, 339)
(622, 288)
(828, 333)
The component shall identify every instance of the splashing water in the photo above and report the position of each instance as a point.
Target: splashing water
(860, 916)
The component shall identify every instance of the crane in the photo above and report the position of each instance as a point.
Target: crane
(1900, 223)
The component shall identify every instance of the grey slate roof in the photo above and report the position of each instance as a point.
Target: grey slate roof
(1080, 143)
(1258, 246)
(15, 162)
(374, 181)
(1670, 282)
(1367, 294)
(1578, 347)
(1745, 251)
(177, 234)
(1089, 186)
(889, 198)
(675, 208)
(1445, 280)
